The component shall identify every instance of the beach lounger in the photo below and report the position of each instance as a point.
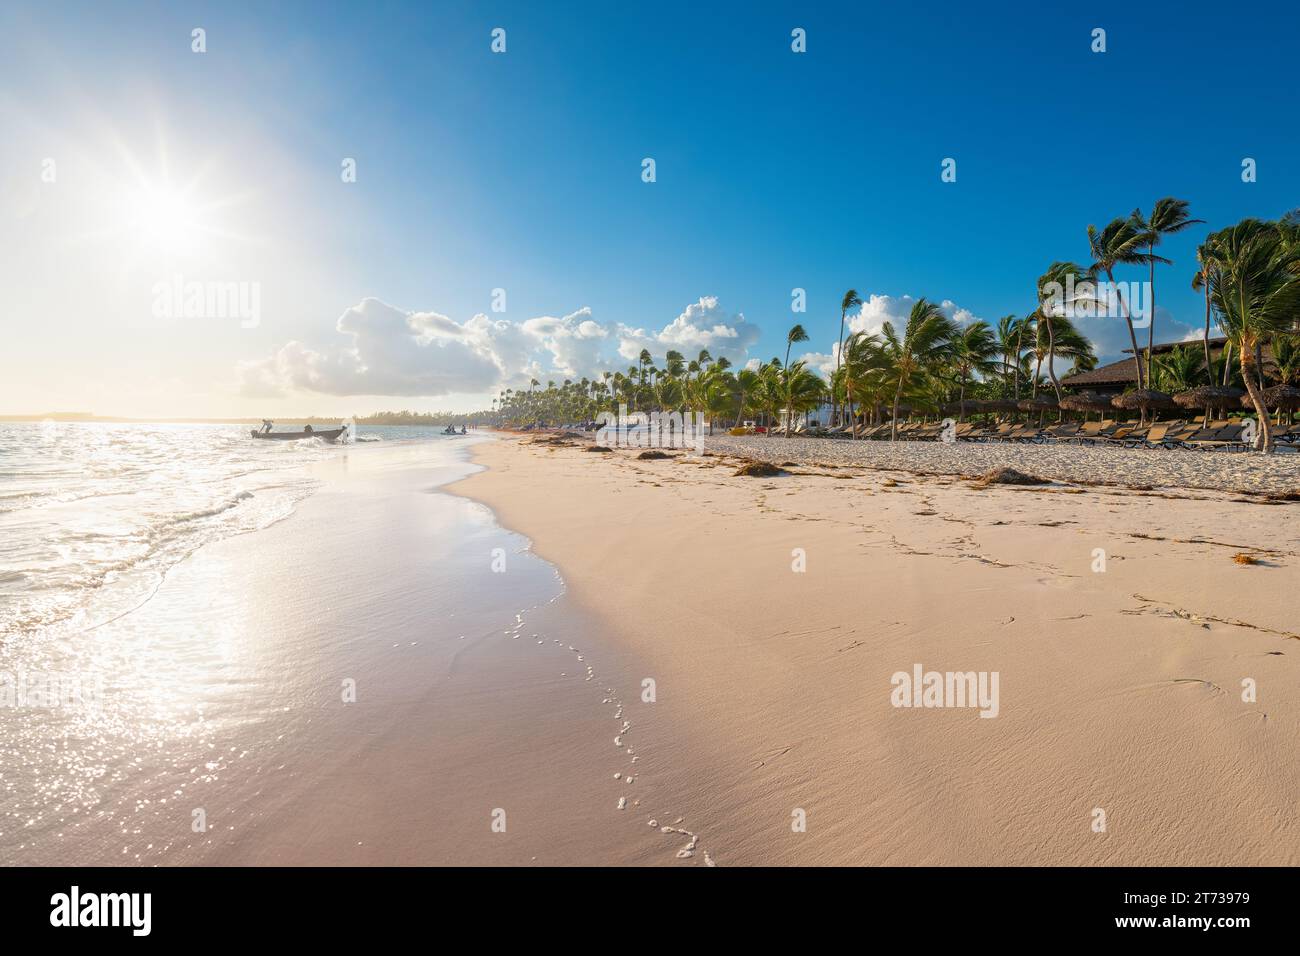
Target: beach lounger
(1228, 439)
(1197, 439)
(1062, 431)
(1131, 438)
(1025, 433)
(1090, 430)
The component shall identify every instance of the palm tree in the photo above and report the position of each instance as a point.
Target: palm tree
(865, 370)
(802, 390)
(796, 334)
(1060, 275)
(925, 340)
(973, 348)
(850, 300)
(747, 385)
(1256, 290)
(1009, 334)
(1178, 371)
(1201, 282)
(1168, 216)
(1119, 243)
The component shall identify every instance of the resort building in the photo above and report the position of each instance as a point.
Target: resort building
(1120, 376)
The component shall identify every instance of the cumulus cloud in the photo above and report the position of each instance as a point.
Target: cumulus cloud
(821, 362)
(385, 350)
(702, 325)
(878, 309)
(388, 352)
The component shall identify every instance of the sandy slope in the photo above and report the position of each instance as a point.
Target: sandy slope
(1119, 690)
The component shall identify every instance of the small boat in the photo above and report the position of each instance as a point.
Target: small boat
(265, 433)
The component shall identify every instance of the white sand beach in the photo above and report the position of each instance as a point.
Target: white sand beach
(1121, 734)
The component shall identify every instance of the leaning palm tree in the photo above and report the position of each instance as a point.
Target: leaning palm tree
(1256, 290)
(796, 334)
(925, 341)
(1118, 243)
(851, 300)
(1168, 216)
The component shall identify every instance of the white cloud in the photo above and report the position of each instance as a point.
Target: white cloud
(821, 362)
(389, 351)
(878, 309)
(703, 325)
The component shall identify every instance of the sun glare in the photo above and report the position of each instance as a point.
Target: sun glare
(164, 218)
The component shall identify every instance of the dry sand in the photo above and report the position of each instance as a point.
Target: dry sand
(1119, 691)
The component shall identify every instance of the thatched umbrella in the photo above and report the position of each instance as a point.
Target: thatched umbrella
(1145, 399)
(998, 405)
(1278, 397)
(964, 408)
(1086, 402)
(1209, 397)
(1039, 403)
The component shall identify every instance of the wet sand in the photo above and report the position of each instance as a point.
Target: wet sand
(224, 695)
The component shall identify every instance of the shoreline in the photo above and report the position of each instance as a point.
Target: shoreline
(319, 710)
(1120, 690)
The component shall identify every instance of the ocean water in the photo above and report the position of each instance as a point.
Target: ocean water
(172, 647)
(93, 514)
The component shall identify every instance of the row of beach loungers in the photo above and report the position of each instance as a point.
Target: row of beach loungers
(1216, 435)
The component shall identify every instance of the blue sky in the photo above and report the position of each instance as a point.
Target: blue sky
(522, 171)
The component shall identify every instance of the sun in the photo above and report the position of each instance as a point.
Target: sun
(164, 218)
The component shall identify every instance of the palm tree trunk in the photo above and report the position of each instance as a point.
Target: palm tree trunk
(1264, 440)
(1151, 297)
(1020, 335)
(1132, 336)
(1209, 376)
(1051, 358)
(893, 423)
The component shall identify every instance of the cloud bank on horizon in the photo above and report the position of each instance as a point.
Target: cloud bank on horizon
(387, 351)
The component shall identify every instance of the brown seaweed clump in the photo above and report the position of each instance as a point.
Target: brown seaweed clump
(758, 469)
(1008, 476)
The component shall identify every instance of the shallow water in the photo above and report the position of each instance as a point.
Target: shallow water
(93, 514)
(189, 666)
